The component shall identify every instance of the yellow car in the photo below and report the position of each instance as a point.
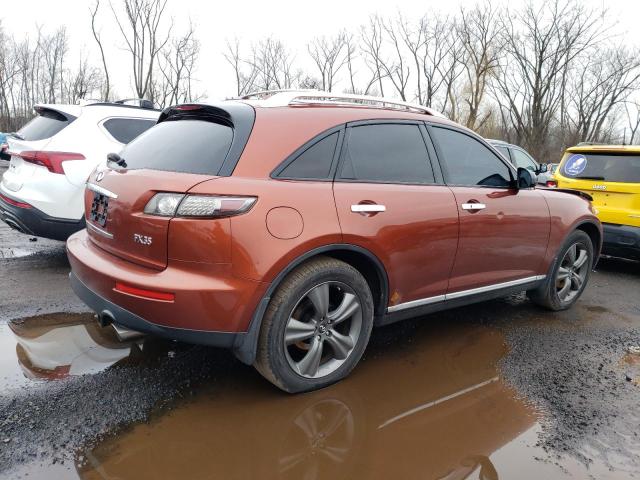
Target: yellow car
(611, 175)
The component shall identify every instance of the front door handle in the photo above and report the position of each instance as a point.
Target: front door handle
(473, 206)
(368, 208)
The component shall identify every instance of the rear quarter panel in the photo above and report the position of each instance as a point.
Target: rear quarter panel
(289, 219)
(567, 212)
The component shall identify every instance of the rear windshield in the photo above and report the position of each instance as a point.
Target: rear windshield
(607, 167)
(189, 146)
(45, 125)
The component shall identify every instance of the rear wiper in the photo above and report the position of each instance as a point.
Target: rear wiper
(117, 159)
(589, 178)
(16, 135)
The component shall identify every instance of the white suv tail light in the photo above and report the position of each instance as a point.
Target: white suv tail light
(51, 160)
(197, 206)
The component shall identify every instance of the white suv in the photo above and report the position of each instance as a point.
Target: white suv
(52, 156)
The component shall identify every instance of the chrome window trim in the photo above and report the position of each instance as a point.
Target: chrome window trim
(463, 293)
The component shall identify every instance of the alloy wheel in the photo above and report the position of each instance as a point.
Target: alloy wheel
(572, 272)
(323, 329)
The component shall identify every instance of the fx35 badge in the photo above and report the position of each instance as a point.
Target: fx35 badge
(142, 239)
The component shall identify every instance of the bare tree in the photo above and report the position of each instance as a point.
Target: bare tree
(601, 81)
(176, 65)
(273, 65)
(328, 54)
(98, 39)
(145, 35)
(245, 74)
(80, 83)
(439, 59)
(540, 44)
(479, 34)
(53, 49)
(371, 37)
(415, 40)
(633, 119)
(350, 57)
(396, 69)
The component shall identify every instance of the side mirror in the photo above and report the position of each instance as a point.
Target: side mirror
(525, 179)
(543, 168)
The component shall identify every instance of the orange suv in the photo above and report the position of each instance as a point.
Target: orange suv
(285, 225)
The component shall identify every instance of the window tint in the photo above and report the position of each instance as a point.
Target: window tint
(469, 162)
(45, 125)
(126, 129)
(314, 162)
(386, 153)
(190, 146)
(522, 160)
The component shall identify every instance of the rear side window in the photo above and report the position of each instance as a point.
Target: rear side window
(387, 153)
(623, 168)
(126, 129)
(314, 162)
(47, 124)
(468, 162)
(189, 146)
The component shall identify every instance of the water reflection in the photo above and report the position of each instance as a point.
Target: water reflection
(56, 346)
(431, 406)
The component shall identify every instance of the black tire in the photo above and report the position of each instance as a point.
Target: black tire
(547, 295)
(273, 360)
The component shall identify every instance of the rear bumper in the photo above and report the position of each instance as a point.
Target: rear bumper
(110, 312)
(621, 241)
(34, 222)
(211, 306)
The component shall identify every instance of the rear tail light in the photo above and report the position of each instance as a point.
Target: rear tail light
(15, 203)
(164, 204)
(552, 183)
(52, 161)
(186, 108)
(197, 206)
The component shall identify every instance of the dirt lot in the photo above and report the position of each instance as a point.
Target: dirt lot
(497, 390)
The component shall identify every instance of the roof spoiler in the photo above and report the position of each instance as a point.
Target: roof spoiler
(196, 110)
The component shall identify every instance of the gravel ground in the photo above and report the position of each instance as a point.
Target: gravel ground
(576, 368)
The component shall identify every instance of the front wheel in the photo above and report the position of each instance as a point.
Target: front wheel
(316, 327)
(569, 275)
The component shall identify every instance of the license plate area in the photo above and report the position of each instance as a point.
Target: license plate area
(99, 209)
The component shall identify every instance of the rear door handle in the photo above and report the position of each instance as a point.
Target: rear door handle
(368, 208)
(473, 206)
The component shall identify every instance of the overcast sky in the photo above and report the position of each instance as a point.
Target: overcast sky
(294, 22)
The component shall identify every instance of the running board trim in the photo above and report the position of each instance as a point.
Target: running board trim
(464, 293)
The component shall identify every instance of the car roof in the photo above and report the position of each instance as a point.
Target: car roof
(604, 148)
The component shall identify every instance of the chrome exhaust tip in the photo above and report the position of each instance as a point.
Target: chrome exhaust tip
(125, 334)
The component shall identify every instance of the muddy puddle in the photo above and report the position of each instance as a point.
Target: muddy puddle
(427, 402)
(57, 346)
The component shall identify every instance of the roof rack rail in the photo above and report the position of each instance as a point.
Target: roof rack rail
(283, 98)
